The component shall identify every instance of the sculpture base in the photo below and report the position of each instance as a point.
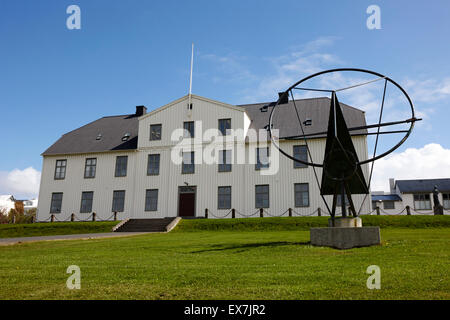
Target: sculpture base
(345, 222)
(345, 238)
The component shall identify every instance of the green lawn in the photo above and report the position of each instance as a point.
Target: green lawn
(55, 228)
(231, 264)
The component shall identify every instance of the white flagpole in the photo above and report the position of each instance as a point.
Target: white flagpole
(190, 78)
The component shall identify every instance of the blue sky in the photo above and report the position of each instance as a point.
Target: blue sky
(128, 53)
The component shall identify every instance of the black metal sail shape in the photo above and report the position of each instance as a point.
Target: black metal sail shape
(341, 170)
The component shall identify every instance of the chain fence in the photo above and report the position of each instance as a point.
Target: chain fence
(258, 212)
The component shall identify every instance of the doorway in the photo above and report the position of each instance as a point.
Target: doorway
(186, 201)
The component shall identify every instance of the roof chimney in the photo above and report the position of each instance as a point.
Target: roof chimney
(392, 185)
(140, 110)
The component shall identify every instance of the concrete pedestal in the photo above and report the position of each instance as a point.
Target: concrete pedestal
(345, 237)
(345, 222)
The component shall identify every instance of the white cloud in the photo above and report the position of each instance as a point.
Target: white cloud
(20, 183)
(430, 162)
(428, 90)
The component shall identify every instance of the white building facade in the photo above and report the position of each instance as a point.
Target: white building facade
(139, 165)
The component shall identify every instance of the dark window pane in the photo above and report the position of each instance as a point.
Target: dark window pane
(60, 169)
(224, 125)
(301, 192)
(224, 198)
(224, 160)
(121, 166)
(155, 131)
(153, 164)
(446, 198)
(86, 201)
(422, 202)
(189, 129)
(56, 203)
(262, 196)
(151, 200)
(338, 200)
(389, 205)
(90, 168)
(118, 201)
(262, 158)
(188, 165)
(301, 153)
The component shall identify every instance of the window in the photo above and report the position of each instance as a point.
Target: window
(389, 205)
(60, 169)
(153, 164)
(86, 201)
(151, 200)
(118, 203)
(224, 160)
(446, 197)
(262, 158)
(224, 126)
(301, 153)
(374, 205)
(56, 203)
(188, 129)
(262, 196)
(224, 198)
(90, 167)
(301, 191)
(422, 202)
(339, 202)
(188, 165)
(121, 166)
(155, 132)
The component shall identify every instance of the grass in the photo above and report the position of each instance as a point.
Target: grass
(231, 264)
(55, 228)
(248, 224)
(305, 223)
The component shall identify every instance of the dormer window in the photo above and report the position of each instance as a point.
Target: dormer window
(126, 136)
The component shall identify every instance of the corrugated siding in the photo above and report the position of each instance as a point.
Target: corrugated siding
(207, 179)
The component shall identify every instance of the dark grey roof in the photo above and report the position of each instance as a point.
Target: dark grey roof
(316, 109)
(112, 129)
(386, 197)
(423, 185)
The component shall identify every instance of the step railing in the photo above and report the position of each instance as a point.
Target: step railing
(114, 229)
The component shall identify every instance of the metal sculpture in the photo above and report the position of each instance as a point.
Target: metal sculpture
(342, 175)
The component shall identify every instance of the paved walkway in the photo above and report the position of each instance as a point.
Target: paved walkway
(8, 241)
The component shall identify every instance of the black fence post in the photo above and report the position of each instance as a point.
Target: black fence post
(290, 212)
(378, 211)
(261, 212)
(115, 215)
(408, 210)
(93, 216)
(206, 213)
(319, 213)
(72, 217)
(52, 218)
(233, 213)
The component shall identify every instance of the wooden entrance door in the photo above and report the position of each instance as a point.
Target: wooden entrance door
(186, 201)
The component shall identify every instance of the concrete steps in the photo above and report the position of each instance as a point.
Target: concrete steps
(147, 225)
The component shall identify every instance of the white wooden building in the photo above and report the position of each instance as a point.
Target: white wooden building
(126, 164)
(417, 194)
